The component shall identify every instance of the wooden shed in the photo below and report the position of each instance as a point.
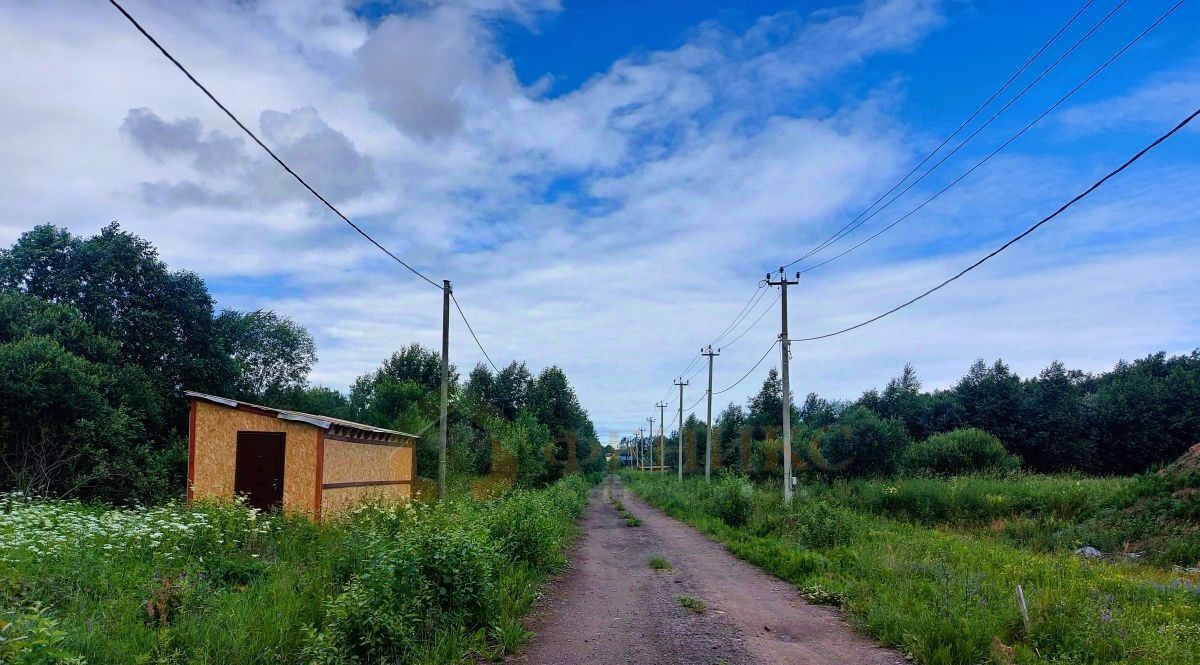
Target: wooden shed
(299, 462)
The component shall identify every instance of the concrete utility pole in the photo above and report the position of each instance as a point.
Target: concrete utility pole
(650, 443)
(681, 383)
(446, 291)
(785, 353)
(662, 440)
(709, 439)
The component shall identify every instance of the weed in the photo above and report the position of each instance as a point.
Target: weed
(632, 521)
(659, 563)
(693, 604)
(446, 582)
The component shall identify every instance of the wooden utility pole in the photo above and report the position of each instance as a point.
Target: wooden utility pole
(662, 441)
(637, 449)
(709, 439)
(446, 291)
(650, 443)
(681, 383)
(785, 353)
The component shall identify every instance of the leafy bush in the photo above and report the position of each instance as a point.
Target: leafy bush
(960, 451)
(31, 637)
(864, 444)
(729, 499)
(819, 525)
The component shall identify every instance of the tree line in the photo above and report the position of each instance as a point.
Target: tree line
(99, 337)
(1140, 415)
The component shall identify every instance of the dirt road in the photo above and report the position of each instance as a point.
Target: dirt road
(611, 607)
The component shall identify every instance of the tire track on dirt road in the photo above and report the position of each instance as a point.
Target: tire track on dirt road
(611, 607)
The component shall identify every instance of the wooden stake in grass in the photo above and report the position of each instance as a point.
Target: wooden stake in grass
(1024, 608)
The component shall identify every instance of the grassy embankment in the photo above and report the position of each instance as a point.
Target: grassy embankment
(221, 584)
(932, 566)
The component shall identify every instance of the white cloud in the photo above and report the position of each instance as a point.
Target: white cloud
(1158, 103)
(672, 177)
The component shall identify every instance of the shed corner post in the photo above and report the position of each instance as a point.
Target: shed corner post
(191, 462)
(319, 490)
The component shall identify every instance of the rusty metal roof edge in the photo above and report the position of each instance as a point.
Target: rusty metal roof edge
(324, 422)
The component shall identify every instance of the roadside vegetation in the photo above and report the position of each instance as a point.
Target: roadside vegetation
(220, 583)
(921, 568)
(99, 337)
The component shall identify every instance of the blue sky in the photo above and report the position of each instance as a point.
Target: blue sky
(606, 182)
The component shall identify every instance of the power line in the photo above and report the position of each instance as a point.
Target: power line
(754, 298)
(472, 331)
(766, 311)
(751, 370)
(1004, 145)
(1031, 229)
(852, 223)
(262, 145)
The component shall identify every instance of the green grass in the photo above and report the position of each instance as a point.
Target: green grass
(1155, 515)
(659, 563)
(221, 584)
(941, 596)
(693, 604)
(632, 521)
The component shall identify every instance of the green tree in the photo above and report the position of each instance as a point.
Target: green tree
(864, 444)
(270, 354)
(1052, 418)
(991, 400)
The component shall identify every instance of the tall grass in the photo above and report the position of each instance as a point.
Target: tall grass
(946, 598)
(219, 583)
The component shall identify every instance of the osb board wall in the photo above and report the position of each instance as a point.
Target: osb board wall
(334, 499)
(347, 462)
(216, 454)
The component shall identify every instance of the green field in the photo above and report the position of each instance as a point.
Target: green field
(932, 566)
(223, 584)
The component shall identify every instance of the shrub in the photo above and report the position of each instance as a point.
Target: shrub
(960, 451)
(864, 444)
(730, 500)
(820, 525)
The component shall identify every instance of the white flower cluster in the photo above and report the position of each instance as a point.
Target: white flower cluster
(33, 528)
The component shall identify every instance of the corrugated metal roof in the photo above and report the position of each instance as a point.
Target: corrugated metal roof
(324, 422)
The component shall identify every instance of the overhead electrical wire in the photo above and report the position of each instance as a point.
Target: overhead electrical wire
(750, 371)
(750, 305)
(847, 227)
(742, 334)
(297, 176)
(472, 331)
(1004, 145)
(270, 152)
(1020, 236)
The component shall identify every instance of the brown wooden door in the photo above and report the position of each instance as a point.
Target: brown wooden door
(259, 473)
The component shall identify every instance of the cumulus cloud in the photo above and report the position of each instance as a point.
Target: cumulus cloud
(322, 155)
(628, 216)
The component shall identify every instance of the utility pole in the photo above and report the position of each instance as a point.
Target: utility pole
(709, 439)
(662, 441)
(637, 449)
(681, 383)
(650, 443)
(785, 353)
(446, 291)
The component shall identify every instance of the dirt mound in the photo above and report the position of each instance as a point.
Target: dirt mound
(1189, 462)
